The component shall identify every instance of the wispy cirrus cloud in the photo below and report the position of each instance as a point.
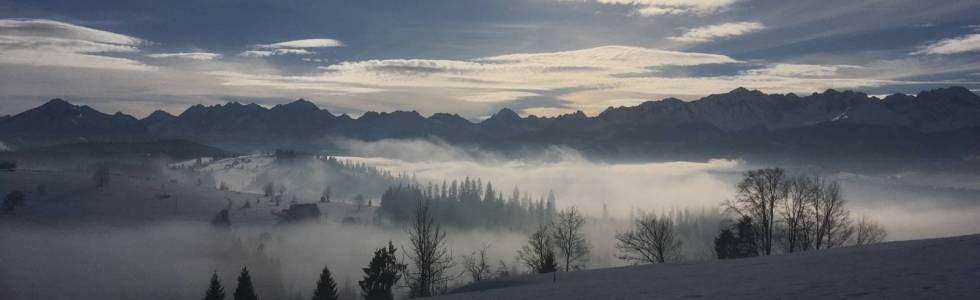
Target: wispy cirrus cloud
(187, 55)
(307, 43)
(800, 70)
(589, 79)
(296, 47)
(963, 44)
(674, 7)
(40, 42)
(724, 30)
(546, 82)
(267, 53)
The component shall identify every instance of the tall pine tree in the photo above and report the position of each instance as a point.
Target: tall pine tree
(381, 274)
(326, 288)
(245, 291)
(215, 291)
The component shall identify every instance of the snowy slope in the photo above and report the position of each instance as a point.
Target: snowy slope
(73, 198)
(946, 268)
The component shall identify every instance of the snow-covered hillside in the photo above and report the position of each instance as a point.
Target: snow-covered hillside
(946, 268)
(71, 198)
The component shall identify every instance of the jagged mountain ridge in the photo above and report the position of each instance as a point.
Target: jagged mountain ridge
(728, 120)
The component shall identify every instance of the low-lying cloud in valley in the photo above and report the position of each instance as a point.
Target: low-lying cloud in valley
(911, 205)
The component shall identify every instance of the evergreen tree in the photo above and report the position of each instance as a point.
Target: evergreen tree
(725, 244)
(245, 291)
(746, 243)
(467, 204)
(737, 241)
(381, 274)
(215, 291)
(326, 288)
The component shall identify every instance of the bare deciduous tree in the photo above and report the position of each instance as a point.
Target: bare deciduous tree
(651, 241)
(478, 265)
(869, 232)
(833, 220)
(430, 257)
(798, 214)
(568, 237)
(758, 195)
(539, 253)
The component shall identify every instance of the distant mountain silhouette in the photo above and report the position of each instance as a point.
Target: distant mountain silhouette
(940, 122)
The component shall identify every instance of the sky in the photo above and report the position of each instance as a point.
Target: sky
(474, 57)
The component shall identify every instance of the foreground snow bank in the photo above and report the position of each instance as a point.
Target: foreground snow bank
(946, 268)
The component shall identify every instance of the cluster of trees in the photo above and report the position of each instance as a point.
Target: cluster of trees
(469, 203)
(427, 274)
(558, 244)
(358, 180)
(737, 241)
(777, 213)
(244, 290)
(792, 214)
(359, 168)
(317, 177)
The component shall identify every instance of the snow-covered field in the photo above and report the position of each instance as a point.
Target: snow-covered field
(946, 268)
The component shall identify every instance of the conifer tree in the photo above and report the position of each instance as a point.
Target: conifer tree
(381, 274)
(725, 244)
(326, 288)
(215, 291)
(245, 291)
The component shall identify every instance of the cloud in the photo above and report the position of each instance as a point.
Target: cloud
(587, 79)
(800, 70)
(51, 28)
(495, 97)
(256, 53)
(542, 83)
(308, 43)
(724, 30)
(964, 44)
(187, 55)
(297, 47)
(266, 53)
(674, 7)
(39, 42)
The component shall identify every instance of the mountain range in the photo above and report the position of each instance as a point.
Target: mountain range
(942, 122)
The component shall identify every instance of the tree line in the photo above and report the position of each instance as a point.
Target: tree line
(777, 213)
(469, 203)
(557, 245)
(425, 274)
(794, 213)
